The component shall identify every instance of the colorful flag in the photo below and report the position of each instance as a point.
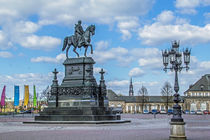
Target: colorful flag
(17, 96)
(26, 97)
(34, 97)
(3, 97)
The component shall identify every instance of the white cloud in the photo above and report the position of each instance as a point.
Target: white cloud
(145, 52)
(5, 54)
(127, 25)
(40, 42)
(23, 33)
(205, 65)
(103, 11)
(68, 12)
(2, 37)
(165, 17)
(101, 45)
(124, 56)
(26, 27)
(157, 34)
(187, 6)
(187, 3)
(103, 55)
(118, 83)
(205, 2)
(152, 63)
(136, 72)
(58, 59)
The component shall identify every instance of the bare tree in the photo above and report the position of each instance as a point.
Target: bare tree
(45, 94)
(167, 92)
(143, 97)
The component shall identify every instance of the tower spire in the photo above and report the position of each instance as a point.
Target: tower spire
(131, 88)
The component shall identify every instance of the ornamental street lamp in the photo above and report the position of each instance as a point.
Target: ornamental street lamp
(174, 57)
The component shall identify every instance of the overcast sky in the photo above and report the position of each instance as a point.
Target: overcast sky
(129, 38)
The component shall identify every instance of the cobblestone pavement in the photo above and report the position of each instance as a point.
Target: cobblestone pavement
(142, 127)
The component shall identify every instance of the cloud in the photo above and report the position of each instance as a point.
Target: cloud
(187, 3)
(125, 57)
(127, 25)
(145, 52)
(40, 42)
(136, 72)
(118, 83)
(157, 34)
(103, 11)
(26, 27)
(101, 45)
(5, 54)
(166, 17)
(205, 64)
(67, 13)
(23, 33)
(103, 54)
(58, 59)
(150, 62)
(187, 6)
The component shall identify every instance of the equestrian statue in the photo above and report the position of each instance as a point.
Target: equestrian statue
(80, 39)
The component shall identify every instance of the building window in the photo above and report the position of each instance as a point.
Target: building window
(202, 87)
(203, 106)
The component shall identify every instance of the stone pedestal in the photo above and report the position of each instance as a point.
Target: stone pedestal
(79, 87)
(177, 131)
(79, 97)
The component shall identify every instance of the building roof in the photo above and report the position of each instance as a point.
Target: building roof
(112, 96)
(202, 84)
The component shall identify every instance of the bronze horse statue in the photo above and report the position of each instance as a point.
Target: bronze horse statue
(72, 41)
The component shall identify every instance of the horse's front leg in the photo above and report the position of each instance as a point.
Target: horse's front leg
(91, 48)
(67, 50)
(75, 51)
(86, 51)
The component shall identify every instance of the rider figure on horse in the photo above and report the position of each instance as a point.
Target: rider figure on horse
(79, 33)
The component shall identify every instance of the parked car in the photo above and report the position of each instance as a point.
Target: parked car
(170, 111)
(117, 110)
(187, 112)
(145, 111)
(192, 112)
(162, 111)
(206, 112)
(199, 112)
(154, 111)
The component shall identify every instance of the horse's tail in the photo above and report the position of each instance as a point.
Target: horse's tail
(65, 43)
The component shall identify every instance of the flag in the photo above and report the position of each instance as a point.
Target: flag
(34, 100)
(17, 96)
(26, 97)
(3, 97)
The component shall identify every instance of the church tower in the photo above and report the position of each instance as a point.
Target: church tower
(131, 88)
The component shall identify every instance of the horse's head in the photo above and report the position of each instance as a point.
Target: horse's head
(92, 29)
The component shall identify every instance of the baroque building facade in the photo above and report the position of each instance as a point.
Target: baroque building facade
(197, 97)
(134, 104)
